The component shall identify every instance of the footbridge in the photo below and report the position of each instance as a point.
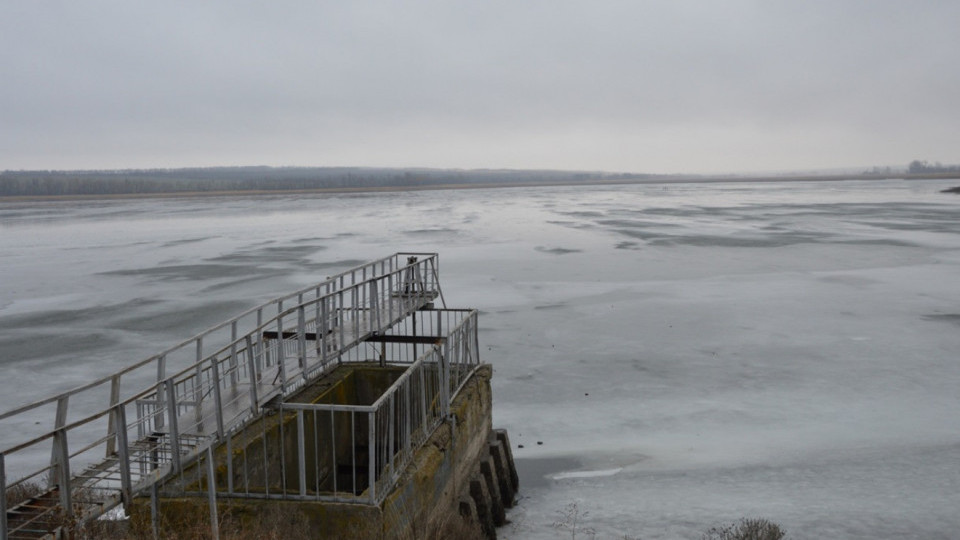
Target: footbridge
(224, 414)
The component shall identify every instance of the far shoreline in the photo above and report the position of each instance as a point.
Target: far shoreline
(666, 180)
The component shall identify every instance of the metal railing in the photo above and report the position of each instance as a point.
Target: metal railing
(108, 443)
(348, 452)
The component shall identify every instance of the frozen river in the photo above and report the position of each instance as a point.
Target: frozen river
(671, 357)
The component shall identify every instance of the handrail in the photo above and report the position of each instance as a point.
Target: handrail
(107, 378)
(370, 298)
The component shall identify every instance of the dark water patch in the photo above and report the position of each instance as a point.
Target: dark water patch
(234, 283)
(876, 242)
(341, 265)
(271, 254)
(442, 230)
(535, 472)
(35, 346)
(556, 250)
(627, 245)
(189, 272)
(73, 317)
(853, 281)
(781, 240)
(951, 318)
(589, 214)
(636, 223)
(174, 243)
(951, 225)
(638, 233)
(191, 320)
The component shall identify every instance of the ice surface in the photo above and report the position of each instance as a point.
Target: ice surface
(687, 354)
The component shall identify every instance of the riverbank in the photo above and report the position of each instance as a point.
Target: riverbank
(476, 185)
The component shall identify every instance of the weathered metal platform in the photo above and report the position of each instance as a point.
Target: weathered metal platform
(229, 376)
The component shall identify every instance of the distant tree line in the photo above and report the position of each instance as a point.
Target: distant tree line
(923, 167)
(210, 179)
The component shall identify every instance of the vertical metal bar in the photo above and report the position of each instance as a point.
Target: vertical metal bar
(322, 327)
(355, 304)
(111, 421)
(423, 395)
(409, 413)
(126, 485)
(375, 304)
(302, 457)
(234, 364)
(389, 295)
(340, 324)
(174, 425)
(413, 316)
(161, 375)
(63, 470)
(391, 425)
(254, 375)
(302, 340)
(372, 450)
(281, 356)
(445, 379)
(3, 498)
(316, 453)
(212, 496)
(198, 386)
(55, 453)
(218, 402)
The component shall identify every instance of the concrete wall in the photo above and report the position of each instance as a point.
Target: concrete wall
(433, 492)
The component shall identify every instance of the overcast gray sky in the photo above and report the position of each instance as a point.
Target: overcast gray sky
(642, 86)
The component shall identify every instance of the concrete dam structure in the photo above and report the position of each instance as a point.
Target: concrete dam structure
(357, 407)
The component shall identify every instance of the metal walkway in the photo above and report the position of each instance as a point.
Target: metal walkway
(224, 378)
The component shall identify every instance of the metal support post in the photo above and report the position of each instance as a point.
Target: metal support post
(302, 455)
(254, 375)
(123, 449)
(212, 496)
(372, 460)
(174, 433)
(218, 403)
(111, 422)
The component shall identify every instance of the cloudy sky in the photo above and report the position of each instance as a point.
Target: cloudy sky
(641, 86)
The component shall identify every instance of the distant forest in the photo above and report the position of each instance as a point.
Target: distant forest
(219, 179)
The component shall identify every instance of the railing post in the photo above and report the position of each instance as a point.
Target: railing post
(302, 340)
(123, 449)
(322, 326)
(56, 453)
(281, 356)
(254, 375)
(372, 459)
(174, 425)
(234, 364)
(161, 398)
(302, 456)
(445, 378)
(111, 421)
(375, 305)
(212, 496)
(218, 402)
(62, 470)
(198, 386)
(3, 498)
